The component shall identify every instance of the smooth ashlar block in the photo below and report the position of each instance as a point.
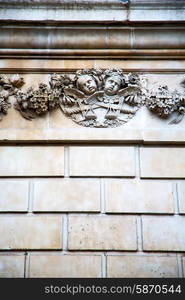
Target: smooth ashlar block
(163, 233)
(14, 195)
(31, 161)
(102, 161)
(137, 196)
(162, 162)
(181, 196)
(11, 266)
(67, 195)
(65, 266)
(102, 233)
(142, 266)
(27, 232)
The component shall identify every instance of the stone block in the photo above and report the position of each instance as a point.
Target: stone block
(162, 162)
(181, 197)
(65, 266)
(137, 196)
(102, 233)
(67, 195)
(31, 161)
(11, 266)
(141, 266)
(27, 232)
(14, 195)
(163, 233)
(102, 161)
(183, 261)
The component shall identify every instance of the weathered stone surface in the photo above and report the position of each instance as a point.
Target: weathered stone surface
(102, 233)
(183, 260)
(11, 266)
(162, 162)
(142, 266)
(67, 195)
(163, 233)
(31, 161)
(65, 266)
(30, 232)
(14, 195)
(102, 161)
(137, 196)
(181, 197)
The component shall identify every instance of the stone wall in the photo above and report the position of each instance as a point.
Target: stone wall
(92, 211)
(92, 202)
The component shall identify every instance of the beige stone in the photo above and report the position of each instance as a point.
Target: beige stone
(139, 65)
(183, 261)
(14, 195)
(137, 196)
(27, 232)
(163, 233)
(141, 266)
(14, 120)
(129, 64)
(168, 38)
(102, 161)
(67, 195)
(181, 197)
(162, 162)
(102, 233)
(73, 64)
(65, 266)
(57, 119)
(11, 266)
(31, 161)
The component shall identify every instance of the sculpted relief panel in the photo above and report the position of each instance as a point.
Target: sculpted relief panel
(93, 97)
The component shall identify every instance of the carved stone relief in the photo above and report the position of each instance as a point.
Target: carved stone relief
(97, 98)
(93, 97)
(8, 87)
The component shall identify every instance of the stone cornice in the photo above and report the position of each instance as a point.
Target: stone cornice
(93, 10)
(92, 41)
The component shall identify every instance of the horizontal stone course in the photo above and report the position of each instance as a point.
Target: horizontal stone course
(11, 266)
(162, 162)
(67, 195)
(137, 196)
(14, 195)
(102, 233)
(102, 161)
(31, 161)
(163, 233)
(65, 266)
(27, 232)
(142, 266)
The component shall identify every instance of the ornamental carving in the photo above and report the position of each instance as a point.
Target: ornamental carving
(8, 87)
(33, 103)
(163, 103)
(97, 98)
(93, 97)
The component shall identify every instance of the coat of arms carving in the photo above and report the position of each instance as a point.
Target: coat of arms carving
(97, 98)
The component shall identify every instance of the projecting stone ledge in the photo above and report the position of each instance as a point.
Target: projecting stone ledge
(93, 10)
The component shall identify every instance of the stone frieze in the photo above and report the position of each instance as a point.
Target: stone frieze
(93, 97)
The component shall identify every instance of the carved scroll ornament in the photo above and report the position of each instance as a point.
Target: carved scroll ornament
(93, 97)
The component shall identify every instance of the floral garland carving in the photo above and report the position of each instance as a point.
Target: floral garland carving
(92, 97)
(8, 87)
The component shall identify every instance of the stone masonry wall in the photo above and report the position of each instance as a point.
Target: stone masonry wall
(92, 211)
